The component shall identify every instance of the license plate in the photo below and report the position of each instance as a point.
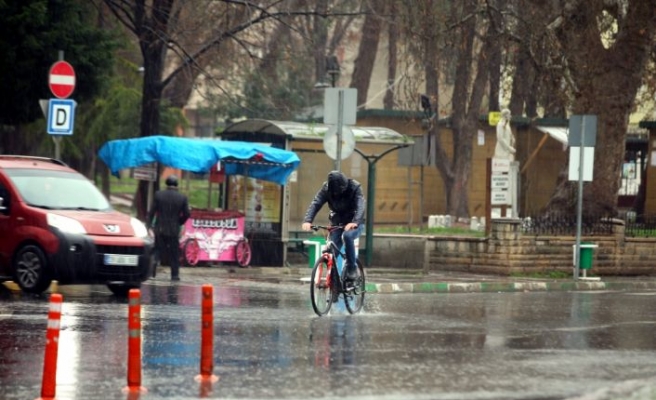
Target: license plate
(119, 259)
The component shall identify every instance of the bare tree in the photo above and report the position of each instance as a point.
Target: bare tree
(472, 73)
(162, 28)
(603, 48)
(455, 42)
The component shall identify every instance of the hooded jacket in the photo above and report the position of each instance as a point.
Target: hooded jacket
(344, 197)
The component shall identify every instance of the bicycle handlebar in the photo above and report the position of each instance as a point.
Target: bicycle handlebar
(327, 228)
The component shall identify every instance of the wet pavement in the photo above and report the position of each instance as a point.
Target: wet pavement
(480, 344)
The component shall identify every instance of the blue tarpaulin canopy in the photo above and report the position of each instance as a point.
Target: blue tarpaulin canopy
(199, 156)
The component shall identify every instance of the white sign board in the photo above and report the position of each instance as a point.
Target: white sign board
(146, 172)
(500, 197)
(574, 161)
(500, 165)
(61, 116)
(500, 182)
(331, 103)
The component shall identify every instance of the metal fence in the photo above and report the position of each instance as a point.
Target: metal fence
(640, 225)
(565, 225)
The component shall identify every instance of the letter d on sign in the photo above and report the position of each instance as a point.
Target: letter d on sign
(62, 118)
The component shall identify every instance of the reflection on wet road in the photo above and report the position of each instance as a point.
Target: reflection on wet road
(268, 344)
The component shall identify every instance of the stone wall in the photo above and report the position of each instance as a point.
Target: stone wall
(507, 251)
(399, 251)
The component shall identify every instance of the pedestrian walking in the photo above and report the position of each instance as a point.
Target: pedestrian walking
(169, 211)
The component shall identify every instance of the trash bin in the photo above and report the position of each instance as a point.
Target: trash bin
(585, 256)
(314, 244)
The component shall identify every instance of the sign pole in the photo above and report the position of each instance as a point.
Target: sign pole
(579, 204)
(57, 138)
(488, 192)
(340, 123)
(61, 80)
(582, 133)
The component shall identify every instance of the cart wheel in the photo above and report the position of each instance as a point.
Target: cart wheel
(191, 252)
(243, 253)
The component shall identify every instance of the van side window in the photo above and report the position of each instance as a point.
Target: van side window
(5, 200)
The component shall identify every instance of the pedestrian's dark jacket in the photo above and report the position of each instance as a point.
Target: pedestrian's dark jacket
(345, 207)
(170, 210)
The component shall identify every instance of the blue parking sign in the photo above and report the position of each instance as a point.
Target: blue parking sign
(61, 116)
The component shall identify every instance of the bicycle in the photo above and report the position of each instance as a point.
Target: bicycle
(326, 284)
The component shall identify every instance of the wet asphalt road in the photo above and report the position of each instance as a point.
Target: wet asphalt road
(268, 344)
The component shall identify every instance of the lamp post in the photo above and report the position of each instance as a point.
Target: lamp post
(332, 69)
(332, 72)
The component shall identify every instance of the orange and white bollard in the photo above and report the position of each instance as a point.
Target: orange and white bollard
(134, 342)
(207, 336)
(49, 381)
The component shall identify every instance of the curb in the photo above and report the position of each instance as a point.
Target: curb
(471, 287)
(382, 281)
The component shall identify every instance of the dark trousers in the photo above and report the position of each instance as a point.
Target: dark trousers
(168, 249)
(341, 237)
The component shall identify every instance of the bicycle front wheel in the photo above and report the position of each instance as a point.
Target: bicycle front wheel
(321, 288)
(354, 296)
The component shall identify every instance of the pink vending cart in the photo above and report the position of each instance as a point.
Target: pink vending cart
(215, 236)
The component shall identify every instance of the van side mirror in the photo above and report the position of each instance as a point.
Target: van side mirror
(2, 204)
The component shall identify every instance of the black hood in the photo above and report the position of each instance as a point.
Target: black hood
(337, 183)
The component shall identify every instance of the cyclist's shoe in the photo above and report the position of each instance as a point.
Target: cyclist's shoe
(351, 274)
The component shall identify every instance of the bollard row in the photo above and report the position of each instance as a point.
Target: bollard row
(49, 381)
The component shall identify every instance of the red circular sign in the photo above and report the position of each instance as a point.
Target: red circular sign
(61, 79)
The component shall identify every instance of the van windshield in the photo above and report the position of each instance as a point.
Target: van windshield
(57, 190)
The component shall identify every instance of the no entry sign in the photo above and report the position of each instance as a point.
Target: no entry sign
(61, 79)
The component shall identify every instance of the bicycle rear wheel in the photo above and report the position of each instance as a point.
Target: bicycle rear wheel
(354, 296)
(321, 288)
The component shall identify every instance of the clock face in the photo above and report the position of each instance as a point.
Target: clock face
(330, 142)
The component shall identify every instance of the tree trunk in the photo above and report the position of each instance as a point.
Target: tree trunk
(392, 39)
(469, 90)
(153, 51)
(320, 42)
(364, 62)
(606, 82)
(520, 83)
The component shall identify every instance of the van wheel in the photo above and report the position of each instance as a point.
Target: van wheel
(30, 270)
(122, 289)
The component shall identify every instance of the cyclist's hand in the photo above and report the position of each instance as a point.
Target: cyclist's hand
(306, 226)
(350, 226)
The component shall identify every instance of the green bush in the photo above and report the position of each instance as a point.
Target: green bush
(197, 192)
(415, 230)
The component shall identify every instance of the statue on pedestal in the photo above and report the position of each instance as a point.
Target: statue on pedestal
(505, 148)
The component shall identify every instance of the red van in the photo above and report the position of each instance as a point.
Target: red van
(56, 225)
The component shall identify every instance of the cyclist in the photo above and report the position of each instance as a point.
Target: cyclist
(346, 202)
